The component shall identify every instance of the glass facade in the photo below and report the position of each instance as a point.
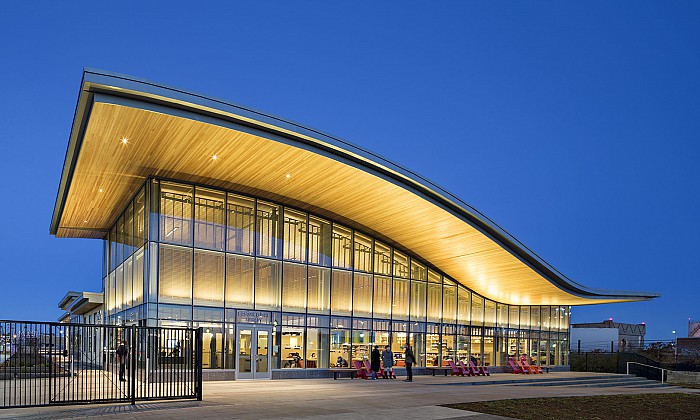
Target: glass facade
(186, 255)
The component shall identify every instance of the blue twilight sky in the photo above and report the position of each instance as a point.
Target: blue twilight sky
(574, 125)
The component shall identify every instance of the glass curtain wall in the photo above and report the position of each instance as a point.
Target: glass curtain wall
(183, 255)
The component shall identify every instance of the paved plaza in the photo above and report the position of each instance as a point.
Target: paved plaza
(325, 399)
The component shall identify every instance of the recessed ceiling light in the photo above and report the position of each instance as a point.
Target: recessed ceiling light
(215, 157)
(288, 175)
(85, 221)
(124, 140)
(100, 190)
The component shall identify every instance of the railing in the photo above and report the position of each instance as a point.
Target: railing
(48, 363)
(649, 366)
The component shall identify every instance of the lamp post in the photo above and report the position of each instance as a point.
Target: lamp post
(675, 348)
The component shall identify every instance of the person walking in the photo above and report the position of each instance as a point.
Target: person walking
(409, 358)
(388, 361)
(122, 353)
(375, 363)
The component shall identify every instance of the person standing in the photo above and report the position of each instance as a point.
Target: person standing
(122, 354)
(375, 363)
(409, 358)
(388, 361)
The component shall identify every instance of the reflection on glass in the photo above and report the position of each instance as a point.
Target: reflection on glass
(240, 224)
(294, 246)
(262, 359)
(245, 338)
(363, 253)
(319, 241)
(382, 259)
(342, 247)
(209, 219)
(176, 213)
(267, 232)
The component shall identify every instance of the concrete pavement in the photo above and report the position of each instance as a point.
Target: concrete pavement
(325, 399)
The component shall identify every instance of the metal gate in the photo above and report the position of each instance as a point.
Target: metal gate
(47, 363)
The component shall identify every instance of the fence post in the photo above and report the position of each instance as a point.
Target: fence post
(612, 346)
(132, 371)
(198, 361)
(579, 346)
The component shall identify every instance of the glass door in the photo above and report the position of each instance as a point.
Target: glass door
(252, 350)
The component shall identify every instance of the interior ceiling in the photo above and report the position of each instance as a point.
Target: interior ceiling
(168, 146)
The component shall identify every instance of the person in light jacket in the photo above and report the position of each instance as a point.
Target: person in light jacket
(388, 361)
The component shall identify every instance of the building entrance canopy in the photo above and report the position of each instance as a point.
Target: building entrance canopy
(126, 130)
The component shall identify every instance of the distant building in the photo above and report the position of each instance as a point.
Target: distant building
(693, 329)
(607, 336)
(81, 307)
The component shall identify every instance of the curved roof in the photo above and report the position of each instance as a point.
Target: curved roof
(174, 134)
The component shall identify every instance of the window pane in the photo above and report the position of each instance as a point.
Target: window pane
(502, 316)
(489, 314)
(418, 271)
(534, 317)
(138, 277)
(340, 348)
(434, 277)
(175, 275)
(209, 219)
(208, 278)
(316, 348)
(140, 218)
(401, 265)
(319, 288)
(514, 317)
(240, 220)
(363, 253)
(239, 281)
(362, 295)
(400, 299)
(319, 242)
(128, 283)
(268, 229)
(294, 235)
(119, 292)
(477, 310)
(342, 247)
(267, 284)
(292, 347)
(341, 293)
(464, 306)
(418, 300)
(294, 287)
(382, 297)
(524, 317)
(434, 302)
(382, 259)
(449, 303)
(129, 230)
(176, 213)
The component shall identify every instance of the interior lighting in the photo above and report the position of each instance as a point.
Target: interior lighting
(172, 231)
(100, 190)
(215, 157)
(288, 175)
(124, 141)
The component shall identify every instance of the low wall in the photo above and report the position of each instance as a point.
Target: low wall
(683, 377)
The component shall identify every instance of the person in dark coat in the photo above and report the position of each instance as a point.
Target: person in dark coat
(375, 362)
(122, 353)
(409, 358)
(388, 362)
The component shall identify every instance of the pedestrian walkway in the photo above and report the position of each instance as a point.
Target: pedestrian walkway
(325, 399)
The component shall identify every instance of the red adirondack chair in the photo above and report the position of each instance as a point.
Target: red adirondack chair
(483, 370)
(533, 368)
(468, 370)
(456, 370)
(361, 371)
(527, 369)
(516, 368)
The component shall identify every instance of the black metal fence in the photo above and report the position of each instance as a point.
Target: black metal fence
(47, 363)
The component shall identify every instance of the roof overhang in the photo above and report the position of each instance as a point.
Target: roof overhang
(173, 134)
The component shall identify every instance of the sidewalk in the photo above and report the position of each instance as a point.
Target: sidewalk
(325, 399)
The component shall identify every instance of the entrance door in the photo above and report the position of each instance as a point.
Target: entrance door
(253, 350)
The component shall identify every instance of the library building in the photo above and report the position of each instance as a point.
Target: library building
(294, 250)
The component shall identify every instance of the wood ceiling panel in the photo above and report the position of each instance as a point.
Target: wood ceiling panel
(174, 147)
